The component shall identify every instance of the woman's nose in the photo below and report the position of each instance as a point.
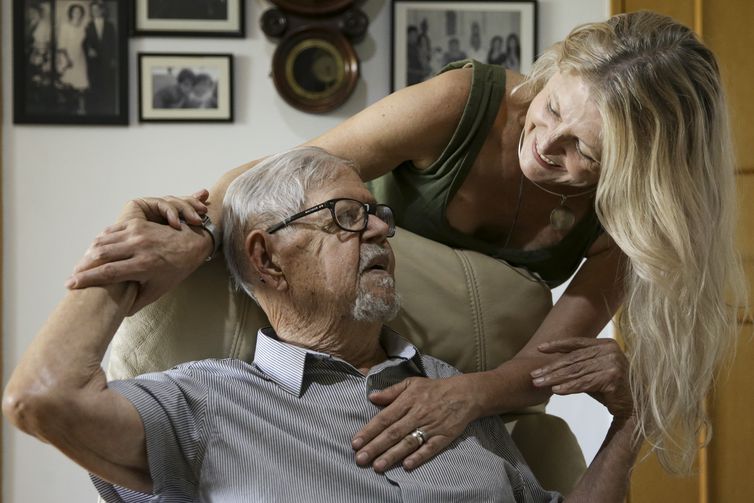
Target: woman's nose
(550, 142)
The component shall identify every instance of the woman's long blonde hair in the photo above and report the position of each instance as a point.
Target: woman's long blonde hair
(666, 196)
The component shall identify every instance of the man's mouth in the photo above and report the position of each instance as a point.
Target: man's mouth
(377, 264)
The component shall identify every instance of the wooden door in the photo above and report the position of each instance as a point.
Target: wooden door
(725, 469)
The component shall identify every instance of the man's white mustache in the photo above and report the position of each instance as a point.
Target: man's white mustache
(370, 252)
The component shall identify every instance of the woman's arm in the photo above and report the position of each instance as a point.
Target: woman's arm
(414, 124)
(586, 306)
(444, 407)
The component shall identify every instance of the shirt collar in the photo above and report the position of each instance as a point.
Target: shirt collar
(285, 363)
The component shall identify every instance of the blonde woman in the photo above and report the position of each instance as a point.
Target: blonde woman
(615, 149)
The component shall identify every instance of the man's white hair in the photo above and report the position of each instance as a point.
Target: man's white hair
(269, 193)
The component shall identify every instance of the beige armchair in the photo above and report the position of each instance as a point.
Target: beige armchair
(461, 306)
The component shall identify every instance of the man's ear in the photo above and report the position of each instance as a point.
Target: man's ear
(264, 267)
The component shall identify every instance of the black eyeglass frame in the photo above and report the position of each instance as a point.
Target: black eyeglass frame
(371, 209)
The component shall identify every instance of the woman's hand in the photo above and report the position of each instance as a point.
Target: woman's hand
(441, 408)
(141, 248)
(168, 209)
(594, 366)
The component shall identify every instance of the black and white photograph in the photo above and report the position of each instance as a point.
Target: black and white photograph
(428, 35)
(185, 87)
(70, 62)
(191, 18)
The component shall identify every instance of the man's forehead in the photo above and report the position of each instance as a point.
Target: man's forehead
(347, 187)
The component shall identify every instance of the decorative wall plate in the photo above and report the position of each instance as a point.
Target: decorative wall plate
(313, 7)
(315, 69)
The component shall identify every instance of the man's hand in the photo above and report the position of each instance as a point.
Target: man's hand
(142, 249)
(441, 408)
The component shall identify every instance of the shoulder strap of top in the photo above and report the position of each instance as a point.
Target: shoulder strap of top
(485, 96)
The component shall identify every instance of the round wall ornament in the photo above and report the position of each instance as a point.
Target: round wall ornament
(315, 69)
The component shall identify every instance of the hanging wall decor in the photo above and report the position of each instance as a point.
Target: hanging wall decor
(180, 87)
(315, 67)
(70, 62)
(189, 18)
(429, 34)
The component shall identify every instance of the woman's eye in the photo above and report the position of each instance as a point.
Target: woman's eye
(582, 154)
(551, 110)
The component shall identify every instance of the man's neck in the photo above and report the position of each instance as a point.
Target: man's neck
(357, 343)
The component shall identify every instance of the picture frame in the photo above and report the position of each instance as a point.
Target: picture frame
(189, 18)
(428, 34)
(70, 62)
(181, 87)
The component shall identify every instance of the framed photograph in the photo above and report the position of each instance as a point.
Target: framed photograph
(427, 35)
(189, 18)
(70, 60)
(185, 87)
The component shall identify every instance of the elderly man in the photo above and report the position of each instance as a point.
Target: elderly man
(305, 238)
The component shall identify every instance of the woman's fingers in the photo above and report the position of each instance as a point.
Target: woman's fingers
(439, 407)
(575, 349)
(398, 443)
(105, 274)
(412, 451)
(594, 366)
(386, 396)
(562, 373)
(201, 195)
(572, 358)
(571, 344)
(173, 209)
(379, 423)
(103, 253)
(430, 449)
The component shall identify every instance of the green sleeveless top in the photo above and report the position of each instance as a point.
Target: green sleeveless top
(420, 198)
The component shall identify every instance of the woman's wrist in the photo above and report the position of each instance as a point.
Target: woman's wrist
(507, 388)
(215, 239)
(483, 393)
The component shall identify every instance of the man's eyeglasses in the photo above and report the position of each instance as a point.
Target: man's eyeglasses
(348, 214)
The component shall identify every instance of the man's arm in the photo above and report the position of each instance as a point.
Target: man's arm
(597, 367)
(59, 394)
(608, 476)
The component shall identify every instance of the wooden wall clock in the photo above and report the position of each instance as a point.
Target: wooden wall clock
(315, 67)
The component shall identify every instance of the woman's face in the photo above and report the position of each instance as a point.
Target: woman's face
(561, 143)
(76, 15)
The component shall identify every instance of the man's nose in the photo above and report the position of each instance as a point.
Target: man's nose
(377, 229)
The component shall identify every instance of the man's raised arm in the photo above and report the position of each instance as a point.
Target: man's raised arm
(59, 392)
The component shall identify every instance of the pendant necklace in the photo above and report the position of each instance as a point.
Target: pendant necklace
(562, 217)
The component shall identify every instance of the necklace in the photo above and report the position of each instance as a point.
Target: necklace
(561, 217)
(518, 209)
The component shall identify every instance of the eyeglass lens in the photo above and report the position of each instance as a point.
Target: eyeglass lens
(352, 215)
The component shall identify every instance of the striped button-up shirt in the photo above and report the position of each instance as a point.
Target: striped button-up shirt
(280, 430)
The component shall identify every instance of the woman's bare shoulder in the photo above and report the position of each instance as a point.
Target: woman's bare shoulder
(414, 123)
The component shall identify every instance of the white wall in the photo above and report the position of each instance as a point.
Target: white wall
(63, 184)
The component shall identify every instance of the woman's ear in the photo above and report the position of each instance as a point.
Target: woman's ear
(263, 266)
